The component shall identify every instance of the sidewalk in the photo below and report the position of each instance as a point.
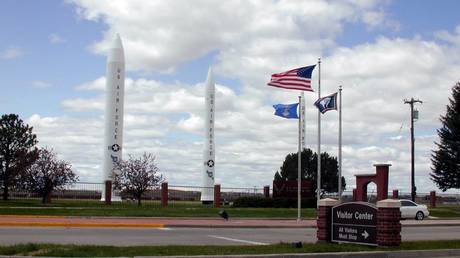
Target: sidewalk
(59, 221)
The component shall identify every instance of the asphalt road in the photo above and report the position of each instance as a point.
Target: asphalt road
(190, 236)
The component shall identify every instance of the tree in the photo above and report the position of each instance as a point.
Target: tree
(47, 174)
(137, 175)
(446, 159)
(17, 150)
(329, 169)
(278, 176)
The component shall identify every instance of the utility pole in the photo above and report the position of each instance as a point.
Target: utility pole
(411, 103)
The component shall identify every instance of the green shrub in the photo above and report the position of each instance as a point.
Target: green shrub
(254, 202)
(261, 202)
(292, 203)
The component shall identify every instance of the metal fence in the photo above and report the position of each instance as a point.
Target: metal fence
(88, 193)
(80, 191)
(421, 198)
(229, 194)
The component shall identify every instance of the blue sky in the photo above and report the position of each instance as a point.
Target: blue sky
(49, 49)
(28, 25)
(414, 18)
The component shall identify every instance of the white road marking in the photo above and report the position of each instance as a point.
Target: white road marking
(165, 229)
(238, 240)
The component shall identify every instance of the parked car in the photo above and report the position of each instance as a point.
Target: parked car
(412, 210)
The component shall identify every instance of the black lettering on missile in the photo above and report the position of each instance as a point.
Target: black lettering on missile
(210, 174)
(114, 158)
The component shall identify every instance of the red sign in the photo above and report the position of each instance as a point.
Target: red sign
(288, 189)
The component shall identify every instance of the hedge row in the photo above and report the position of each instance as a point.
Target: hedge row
(261, 202)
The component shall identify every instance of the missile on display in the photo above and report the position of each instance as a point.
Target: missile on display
(207, 193)
(113, 135)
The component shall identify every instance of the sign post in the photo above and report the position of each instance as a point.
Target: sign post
(354, 222)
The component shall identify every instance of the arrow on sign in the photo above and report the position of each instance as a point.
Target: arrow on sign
(365, 234)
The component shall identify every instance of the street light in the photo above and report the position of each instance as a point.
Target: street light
(413, 116)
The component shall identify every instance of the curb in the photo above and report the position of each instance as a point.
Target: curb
(234, 226)
(162, 218)
(376, 254)
(171, 222)
(118, 225)
(31, 216)
(431, 225)
(79, 225)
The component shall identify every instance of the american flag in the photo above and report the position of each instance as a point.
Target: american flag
(296, 79)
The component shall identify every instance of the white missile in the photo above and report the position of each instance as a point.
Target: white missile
(207, 193)
(115, 87)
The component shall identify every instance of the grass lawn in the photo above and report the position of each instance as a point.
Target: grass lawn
(445, 211)
(112, 251)
(176, 209)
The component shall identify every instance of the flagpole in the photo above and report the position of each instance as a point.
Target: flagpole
(299, 163)
(303, 111)
(318, 172)
(340, 144)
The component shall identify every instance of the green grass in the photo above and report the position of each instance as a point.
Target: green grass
(112, 251)
(176, 209)
(445, 211)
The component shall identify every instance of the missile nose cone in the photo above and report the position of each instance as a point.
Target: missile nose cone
(210, 79)
(116, 53)
(117, 42)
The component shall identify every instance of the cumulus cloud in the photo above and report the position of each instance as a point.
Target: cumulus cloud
(41, 84)
(453, 38)
(251, 40)
(251, 140)
(56, 39)
(98, 84)
(162, 34)
(11, 53)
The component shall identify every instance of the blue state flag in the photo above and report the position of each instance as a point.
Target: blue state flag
(286, 111)
(327, 103)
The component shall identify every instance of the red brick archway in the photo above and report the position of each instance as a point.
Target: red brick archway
(380, 178)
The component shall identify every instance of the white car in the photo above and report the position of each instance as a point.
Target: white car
(411, 210)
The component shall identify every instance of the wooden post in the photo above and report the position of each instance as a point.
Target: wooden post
(433, 199)
(395, 194)
(267, 191)
(164, 194)
(354, 194)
